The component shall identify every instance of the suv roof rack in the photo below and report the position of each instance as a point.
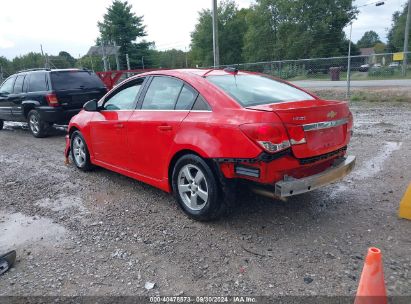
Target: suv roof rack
(35, 69)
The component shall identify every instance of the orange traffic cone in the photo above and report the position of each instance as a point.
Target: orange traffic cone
(371, 289)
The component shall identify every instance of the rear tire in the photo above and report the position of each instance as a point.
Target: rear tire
(79, 152)
(196, 189)
(1, 124)
(38, 127)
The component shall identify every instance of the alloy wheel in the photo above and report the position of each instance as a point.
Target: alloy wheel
(34, 124)
(192, 187)
(79, 151)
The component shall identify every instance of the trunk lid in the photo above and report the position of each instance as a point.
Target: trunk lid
(323, 123)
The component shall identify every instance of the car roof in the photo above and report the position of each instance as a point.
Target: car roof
(52, 70)
(196, 72)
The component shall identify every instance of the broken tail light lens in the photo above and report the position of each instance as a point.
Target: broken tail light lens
(297, 134)
(52, 100)
(272, 137)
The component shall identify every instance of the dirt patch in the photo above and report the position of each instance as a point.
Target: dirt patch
(100, 233)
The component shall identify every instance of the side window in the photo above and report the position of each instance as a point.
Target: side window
(18, 85)
(186, 99)
(123, 99)
(162, 93)
(38, 82)
(26, 83)
(7, 86)
(201, 104)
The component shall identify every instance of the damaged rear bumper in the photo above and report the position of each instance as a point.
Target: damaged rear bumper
(291, 186)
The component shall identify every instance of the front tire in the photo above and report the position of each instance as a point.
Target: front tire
(79, 152)
(1, 124)
(37, 126)
(196, 189)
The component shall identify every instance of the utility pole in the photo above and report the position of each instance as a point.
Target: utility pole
(186, 57)
(406, 35)
(103, 50)
(45, 57)
(216, 50)
(128, 62)
(117, 60)
(378, 3)
(142, 61)
(349, 66)
(1, 73)
(128, 65)
(92, 65)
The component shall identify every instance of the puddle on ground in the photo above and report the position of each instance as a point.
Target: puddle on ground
(375, 164)
(11, 125)
(18, 231)
(62, 203)
(368, 169)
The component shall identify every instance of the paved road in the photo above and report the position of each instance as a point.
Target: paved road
(354, 84)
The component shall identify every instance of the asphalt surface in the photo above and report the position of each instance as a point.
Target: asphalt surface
(354, 83)
(100, 233)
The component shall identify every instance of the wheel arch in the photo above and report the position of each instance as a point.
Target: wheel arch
(29, 105)
(183, 152)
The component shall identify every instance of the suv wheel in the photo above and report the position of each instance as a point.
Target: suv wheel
(1, 124)
(37, 127)
(79, 152)
(195, 188)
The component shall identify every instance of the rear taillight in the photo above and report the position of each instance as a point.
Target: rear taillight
(297, 135)
(272, 137)
(52, 100)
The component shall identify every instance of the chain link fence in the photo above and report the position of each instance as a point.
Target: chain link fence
(363, 67)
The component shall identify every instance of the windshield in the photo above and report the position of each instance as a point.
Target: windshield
(251, 90)
(68, 80)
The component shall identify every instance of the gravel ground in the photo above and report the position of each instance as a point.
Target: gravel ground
(100, 233)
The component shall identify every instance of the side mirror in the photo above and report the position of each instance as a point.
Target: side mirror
(4, 94)
(91, 106)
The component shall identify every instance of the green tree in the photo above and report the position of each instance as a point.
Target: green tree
(6, 68)
(70, 59)
(28, 61)
(380, 48)
(368, 40)
(283, 29)
(122, 27)
(396, 33)
(232, 27)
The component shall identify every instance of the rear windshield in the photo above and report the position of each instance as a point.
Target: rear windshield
(67, 80)
(251, 90)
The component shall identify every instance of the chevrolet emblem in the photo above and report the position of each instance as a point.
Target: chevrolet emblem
(331, 114)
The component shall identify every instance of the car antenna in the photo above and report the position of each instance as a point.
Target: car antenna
(231, 70)
(234, 71)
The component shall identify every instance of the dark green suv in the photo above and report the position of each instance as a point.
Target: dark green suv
(43, 97)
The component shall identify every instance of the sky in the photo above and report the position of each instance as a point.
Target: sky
(72, 25)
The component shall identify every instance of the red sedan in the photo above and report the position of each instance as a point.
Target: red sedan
(196, 133)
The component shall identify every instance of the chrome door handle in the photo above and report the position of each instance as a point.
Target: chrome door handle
(119, 125)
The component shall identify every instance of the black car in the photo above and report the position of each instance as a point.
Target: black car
(43, 97)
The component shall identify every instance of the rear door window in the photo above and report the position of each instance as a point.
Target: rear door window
(162, 93)
(186, 99)
(38, 82)
(18, 85)
(69, 80)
